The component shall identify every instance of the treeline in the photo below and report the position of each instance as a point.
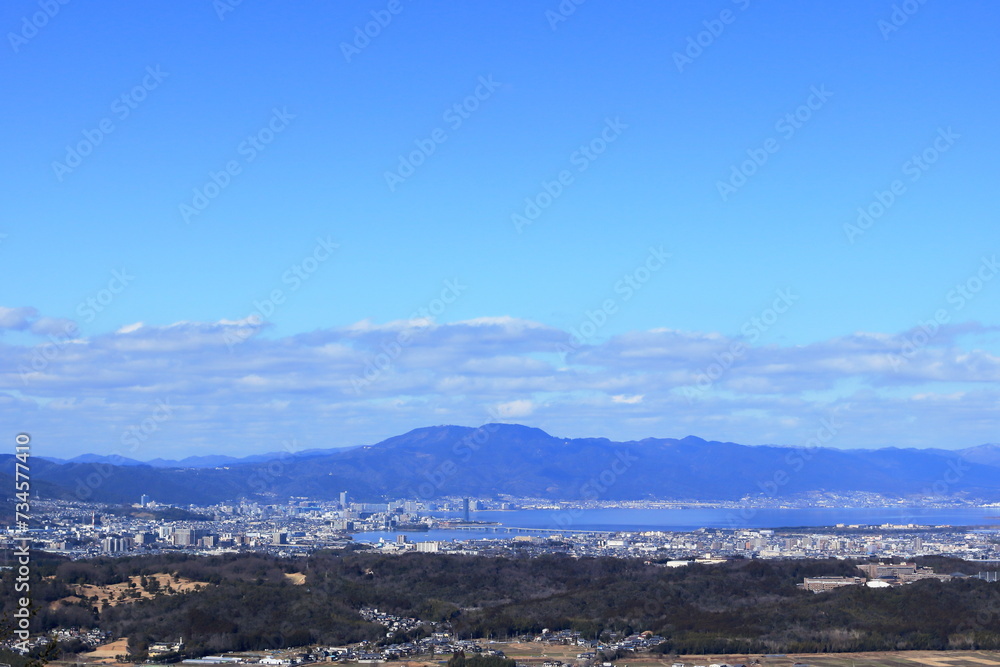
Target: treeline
(744, 606)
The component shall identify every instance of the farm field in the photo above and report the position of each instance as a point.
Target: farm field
(536, 653)
(889, 659)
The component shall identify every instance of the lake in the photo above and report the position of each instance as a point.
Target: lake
(635, 520)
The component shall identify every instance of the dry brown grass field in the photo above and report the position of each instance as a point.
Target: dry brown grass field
(105, 654)
(113, 593)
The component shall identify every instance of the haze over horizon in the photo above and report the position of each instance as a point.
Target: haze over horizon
(732, 220)
(819, 440)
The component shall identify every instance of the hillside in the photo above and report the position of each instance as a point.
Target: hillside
(517, 460)
(738, 606)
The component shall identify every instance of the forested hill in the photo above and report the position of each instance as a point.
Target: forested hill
(522, 461)
(250, 602)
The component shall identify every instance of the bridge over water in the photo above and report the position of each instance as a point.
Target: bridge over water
(497, 528)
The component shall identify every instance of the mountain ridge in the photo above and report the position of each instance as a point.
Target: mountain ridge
(516, 460)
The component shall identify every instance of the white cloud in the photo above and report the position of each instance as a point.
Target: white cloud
(358, 383)
(129, 328)
(16, 318)
(515, 409)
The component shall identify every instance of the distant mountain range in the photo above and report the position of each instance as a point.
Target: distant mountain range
(208, 461)
(522, 461)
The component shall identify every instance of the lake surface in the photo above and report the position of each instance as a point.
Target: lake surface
(635, 520)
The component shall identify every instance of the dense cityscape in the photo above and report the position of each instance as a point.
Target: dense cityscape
(301, 526)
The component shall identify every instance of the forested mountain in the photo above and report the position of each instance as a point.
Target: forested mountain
(518, 460)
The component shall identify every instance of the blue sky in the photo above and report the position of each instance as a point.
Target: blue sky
(713, 157)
